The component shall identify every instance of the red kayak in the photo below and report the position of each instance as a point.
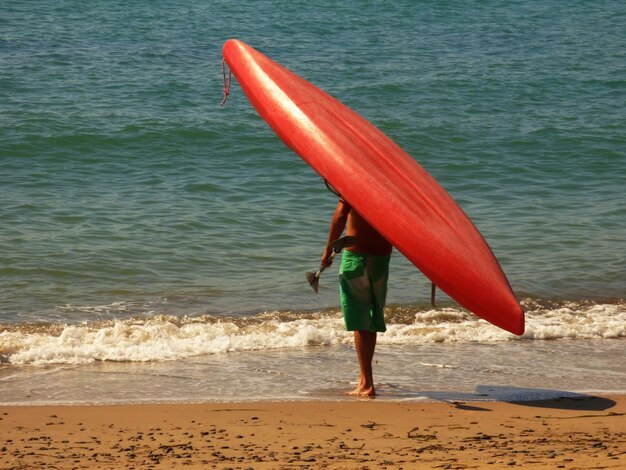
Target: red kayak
(382, 183)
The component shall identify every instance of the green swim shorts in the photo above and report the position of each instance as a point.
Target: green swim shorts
(363, 289)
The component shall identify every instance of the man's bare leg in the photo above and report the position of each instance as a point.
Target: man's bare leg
(365, 344)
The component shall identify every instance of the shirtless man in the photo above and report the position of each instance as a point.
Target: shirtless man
(363, 286)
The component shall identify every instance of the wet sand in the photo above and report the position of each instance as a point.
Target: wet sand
(581, 433)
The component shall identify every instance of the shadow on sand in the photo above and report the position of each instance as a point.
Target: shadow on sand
(549, 398)
(534, 397)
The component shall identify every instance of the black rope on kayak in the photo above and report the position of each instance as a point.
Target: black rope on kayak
(226, 82)
(331, 189)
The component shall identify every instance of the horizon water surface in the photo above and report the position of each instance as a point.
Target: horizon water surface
(153, 245)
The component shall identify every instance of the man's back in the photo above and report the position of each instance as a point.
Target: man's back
(368, 240)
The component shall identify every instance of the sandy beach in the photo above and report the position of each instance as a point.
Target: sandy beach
(570, 433)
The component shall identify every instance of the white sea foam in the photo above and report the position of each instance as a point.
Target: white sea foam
(161, 337)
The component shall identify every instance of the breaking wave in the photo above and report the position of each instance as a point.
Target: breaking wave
(167, 337)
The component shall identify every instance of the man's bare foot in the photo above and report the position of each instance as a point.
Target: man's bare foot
(362, 392)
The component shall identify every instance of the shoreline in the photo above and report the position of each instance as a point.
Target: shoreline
(574, 432)
(505, 371)
(451, 398)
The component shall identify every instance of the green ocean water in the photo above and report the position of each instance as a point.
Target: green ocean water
(126, 190)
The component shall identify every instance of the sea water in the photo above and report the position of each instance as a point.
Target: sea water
(153, 244)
